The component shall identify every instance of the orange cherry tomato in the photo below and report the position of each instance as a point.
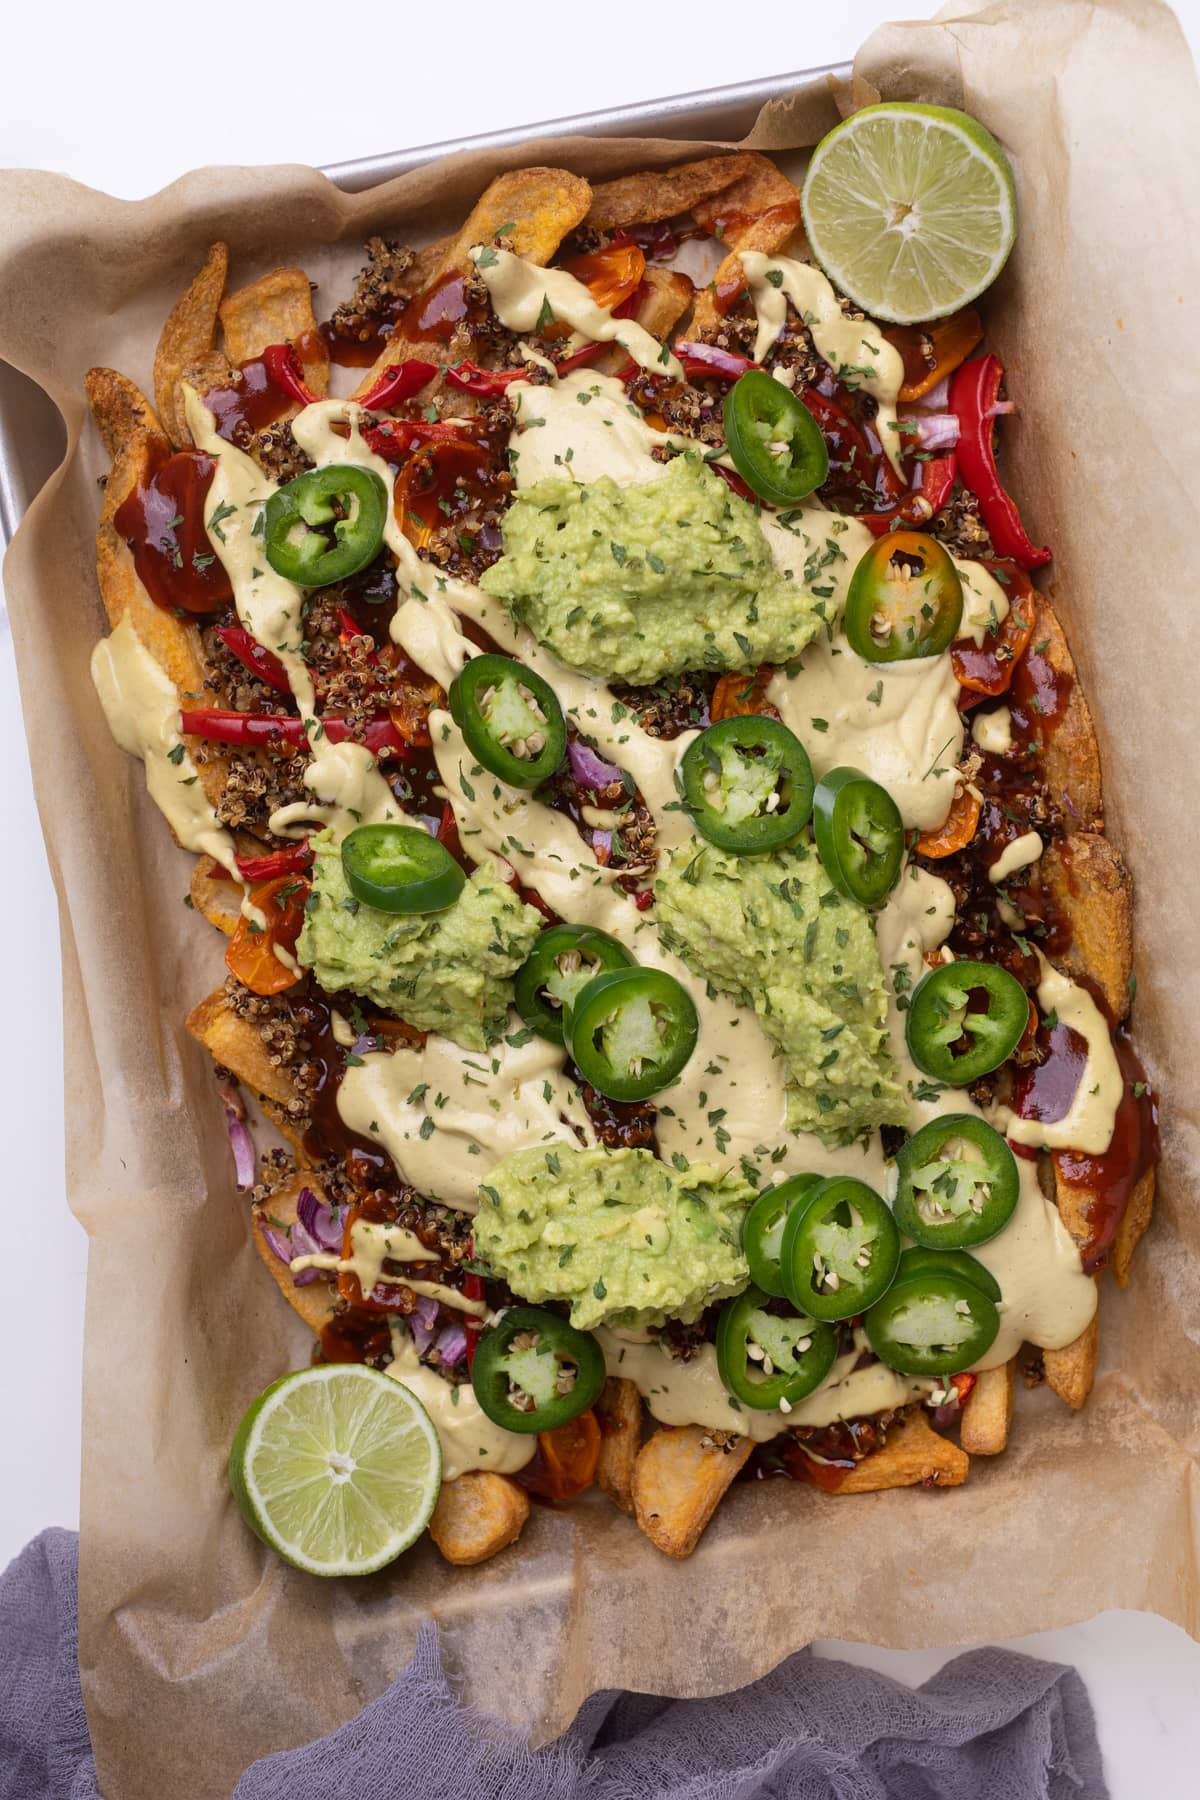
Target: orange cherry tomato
(566, 1459)
(610, 275)
(959, 828)
(440, 482)
(410, 714)
(987, 668)
(735, 695)
(949, 342)
(250, 953)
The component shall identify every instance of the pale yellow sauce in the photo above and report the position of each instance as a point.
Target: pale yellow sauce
(520, 291)
(468, 1437)
(1023, 851)
(1090, 1121)
(992, 731)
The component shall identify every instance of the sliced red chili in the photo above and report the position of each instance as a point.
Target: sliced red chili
(252, 655)
(400, 381)
(975, 397)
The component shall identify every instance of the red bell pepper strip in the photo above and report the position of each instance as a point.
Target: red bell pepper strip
(473, 379)
(579, 359)
(399, 382)
(919, 506)
(251, 654)
(283, 366)
(296, 861)
(396, 439)
(975, 397)
(473, 1289)
(221, 726)
(706, 362)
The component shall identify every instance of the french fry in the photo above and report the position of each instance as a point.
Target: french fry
(678, 1480)
(315, 1300)
(217, 900)
(1071, 1371)
(477, 1516)
(666, 298)
(187, 347)
(1089, 887)
(1136, 1221)
(988, 1411)
(276, 309)
(120, 409)
(234, 1042)
(761, 211)
(1071, 757)
(915, 1455)
(619, 1410)
(654, 194)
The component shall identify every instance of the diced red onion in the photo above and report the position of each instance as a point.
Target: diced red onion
(364, 1044)
(278, 1242)
(998, 407)
(422, 1321)
(320, 1222)
(602, 842)
(938, 398)
(242, 1144)
(933, 431)
(946, 1415)
(431, 825)
(588, 769)
(451, 1343)
(296, 1242)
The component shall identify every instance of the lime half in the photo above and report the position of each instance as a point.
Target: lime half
(910, 210)
(337, 1468)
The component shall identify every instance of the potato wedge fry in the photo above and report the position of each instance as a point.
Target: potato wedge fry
(1071, 1371)
(1071, 757)
(216, 899)
(477, 1516)
(1135, 1223)
(988, 1412)
(1088, 886)
(276, 309)
(188, 342)
(234, 1042)
(654, 194)
(315, 1300)
(619, 1410)
(667, 296)
(120, 409)
(915, 1455)
(678, 1480)
(761, 211)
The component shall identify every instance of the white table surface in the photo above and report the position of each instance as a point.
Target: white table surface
(66, 68)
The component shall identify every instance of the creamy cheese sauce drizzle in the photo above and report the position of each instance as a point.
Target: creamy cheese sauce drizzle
(520, 291)
(371, 1245)
(1023, 851)
(1089, 1122)
(468, 1437)
(992, 731)
(855, 349)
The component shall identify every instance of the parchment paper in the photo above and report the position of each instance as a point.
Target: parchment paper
(199, 1651)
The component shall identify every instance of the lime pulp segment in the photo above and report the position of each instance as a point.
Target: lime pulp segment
(337, 1468)
(910, 210)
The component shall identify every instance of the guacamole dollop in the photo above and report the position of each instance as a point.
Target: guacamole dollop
(633, 583)
(622, 1237)
(449, 972)
(775, 933)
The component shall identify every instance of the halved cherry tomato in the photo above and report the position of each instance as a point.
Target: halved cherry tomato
(250, 953)
(610, 275)
(441, 480)
(410, 714)
(987, 668)
(565, 1463)
(959, 828)
(931, 352)
(737, 694)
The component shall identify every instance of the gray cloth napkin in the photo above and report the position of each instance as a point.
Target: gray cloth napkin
(992, 1725)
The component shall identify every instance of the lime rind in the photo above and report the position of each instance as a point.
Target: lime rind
(336, 1468)
(910, 210)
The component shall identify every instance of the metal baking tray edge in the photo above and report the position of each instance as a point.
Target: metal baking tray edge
(32, 438)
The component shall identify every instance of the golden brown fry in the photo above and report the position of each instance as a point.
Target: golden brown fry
(988, 1412)
(1136, 1221)
(215, 897)
(619, 1410)
(477, 1516)
(119, 407)
(667, 296)
(1088, 886)
(1071, 1371)
(678, 1480)
(234, 1042)
(915, 1455)
(1071, 757)
(315, 1300)
(276, 309)
(655, 194)
(761, 211)
(188, 344)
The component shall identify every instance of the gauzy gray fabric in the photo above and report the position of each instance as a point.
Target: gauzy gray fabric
(991, 1726)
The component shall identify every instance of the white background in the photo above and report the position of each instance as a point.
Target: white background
(101, 93)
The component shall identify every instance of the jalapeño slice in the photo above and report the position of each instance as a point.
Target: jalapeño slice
(748, 784)
(564, 959)
(860, 835)
(631, 1031)
(400, 869)
(905, 599)
(840, 1249)
(776, 444)
(958, 1183)
(533, 1371)
(762, 1231)
(325, 525)
(767, 1359)
(963, 1020)
(934, 1322)
(510, 718)
(957, 1261)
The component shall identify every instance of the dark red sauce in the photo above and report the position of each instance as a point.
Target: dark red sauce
(329, 1134)
(255, 401)
(162, 521)
(1111, 1177)
(437, 311)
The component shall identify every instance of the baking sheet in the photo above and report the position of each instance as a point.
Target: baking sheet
(198, 1651)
